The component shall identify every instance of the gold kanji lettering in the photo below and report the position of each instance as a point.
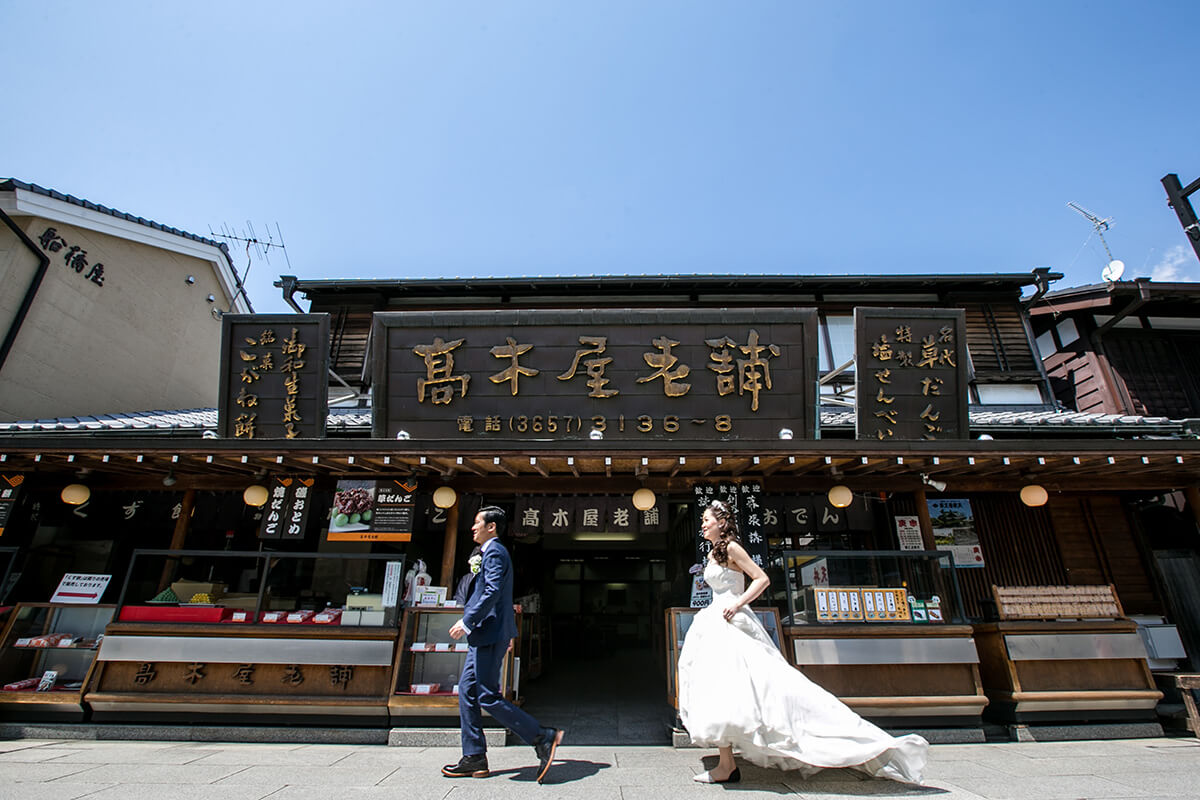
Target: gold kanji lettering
(723, 363)
(881, 350)
(663, 361)
(515, 370)
(754, 373)
(597, 383)
(929, 352)
(439, 371)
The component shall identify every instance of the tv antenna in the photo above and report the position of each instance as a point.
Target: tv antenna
(1115, 268)
(255, 245)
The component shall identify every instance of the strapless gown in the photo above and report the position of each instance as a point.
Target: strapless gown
(736, 689)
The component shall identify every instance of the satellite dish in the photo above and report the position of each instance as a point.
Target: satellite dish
(1113, 271)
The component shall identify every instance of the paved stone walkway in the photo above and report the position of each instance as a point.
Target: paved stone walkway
(30, 769)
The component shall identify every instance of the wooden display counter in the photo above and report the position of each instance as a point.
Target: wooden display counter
(289, 673)
(1039, 665)
(894, 674)
(1065, 671)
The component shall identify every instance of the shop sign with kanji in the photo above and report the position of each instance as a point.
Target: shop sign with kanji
(274, 376)
(911, 374)
(631, 375)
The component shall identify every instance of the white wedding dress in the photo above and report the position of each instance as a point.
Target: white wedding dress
(736, 688)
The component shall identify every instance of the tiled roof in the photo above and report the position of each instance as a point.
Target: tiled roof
(359, 420)
(9, 184)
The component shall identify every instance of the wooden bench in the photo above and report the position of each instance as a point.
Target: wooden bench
(1185, 682)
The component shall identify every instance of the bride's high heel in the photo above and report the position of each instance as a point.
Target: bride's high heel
(706, 777)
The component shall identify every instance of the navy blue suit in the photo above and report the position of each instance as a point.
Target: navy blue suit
(492, 623)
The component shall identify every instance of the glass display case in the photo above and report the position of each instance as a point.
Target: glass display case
(47, 652)
(268, 587)
(678, 622)
(867, 586)
(429, 663)
(248, 636)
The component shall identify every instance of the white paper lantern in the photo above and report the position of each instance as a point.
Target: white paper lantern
(75, 494)
(1034, 495)
(840, 496)
(444, 497)
(644, 499)
(256, 495)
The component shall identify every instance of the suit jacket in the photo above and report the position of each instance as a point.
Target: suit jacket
(489, 611)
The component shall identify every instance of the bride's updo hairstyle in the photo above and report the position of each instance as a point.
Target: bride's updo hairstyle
(729, 531)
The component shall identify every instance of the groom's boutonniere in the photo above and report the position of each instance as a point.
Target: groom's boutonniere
(475, 561)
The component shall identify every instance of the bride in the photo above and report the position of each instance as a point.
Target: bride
(736, 690)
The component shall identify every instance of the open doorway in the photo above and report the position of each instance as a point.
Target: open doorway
(602, 673)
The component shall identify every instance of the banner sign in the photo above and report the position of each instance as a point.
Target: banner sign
(9, 487)
(274, 376)
(286, 512)
(746, 502)
(632, 375)
(908, 533)
(373, 511)
(911, 373)
(954, 530)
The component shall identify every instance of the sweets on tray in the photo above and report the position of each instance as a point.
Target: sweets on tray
(17, 686)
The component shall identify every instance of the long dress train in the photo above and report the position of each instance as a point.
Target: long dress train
(736, 689)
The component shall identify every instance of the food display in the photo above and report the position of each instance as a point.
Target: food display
(352, 509)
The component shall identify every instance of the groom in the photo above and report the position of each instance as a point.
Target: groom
(489, 624)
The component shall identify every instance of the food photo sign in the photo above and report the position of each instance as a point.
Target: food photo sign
(372, 511)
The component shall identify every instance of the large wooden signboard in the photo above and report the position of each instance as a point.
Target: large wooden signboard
(630, 375)
(274, 376)
(911, 373)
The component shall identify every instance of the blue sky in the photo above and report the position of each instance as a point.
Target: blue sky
(452, 139)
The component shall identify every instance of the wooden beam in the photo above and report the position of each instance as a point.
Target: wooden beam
(450, 542)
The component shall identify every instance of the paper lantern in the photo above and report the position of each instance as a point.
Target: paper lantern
(444, 497)
(75, 494)
(256, 495)
(840, 496)
(644, 499)
(1034, 495)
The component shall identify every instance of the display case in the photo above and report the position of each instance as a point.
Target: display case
(1064, 654)
(678, 620)
(47, 653)
(884, 631)
(293, 637)
(429, 664)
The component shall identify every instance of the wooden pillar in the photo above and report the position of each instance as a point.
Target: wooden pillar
(179, 537)
(448, 548)
(923, 516)
(1192, 493)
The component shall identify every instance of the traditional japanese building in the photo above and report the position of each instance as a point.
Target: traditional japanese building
(892, 444)
(94, 297)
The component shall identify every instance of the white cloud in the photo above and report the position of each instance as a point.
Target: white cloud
(1171, 268)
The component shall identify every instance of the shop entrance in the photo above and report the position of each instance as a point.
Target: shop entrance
(603, 659)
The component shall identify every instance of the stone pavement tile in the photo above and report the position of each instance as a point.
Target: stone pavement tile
(46, 771)
(1085, 765)
(268, 755)
(32, 754)
(133, 754)
(10, 745)
(1049, 787)
(694, 791)
(49, 791)
(116, 772)
(963, 768)
(170, 791)
(489, 790)
(417, 790)
(871, 787)
(297, 775)
(1185, 784)
(393, 758)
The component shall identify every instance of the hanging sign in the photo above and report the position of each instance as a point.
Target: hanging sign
(908, 533)
(372, 511)
(286, 512)
(911, 373)
(637, 375)
(9, 487)
(954, 530)
(274, 376)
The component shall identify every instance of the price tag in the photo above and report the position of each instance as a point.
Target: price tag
(442, 647)
(417, 647)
